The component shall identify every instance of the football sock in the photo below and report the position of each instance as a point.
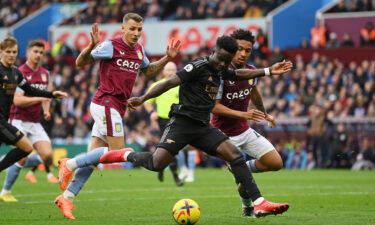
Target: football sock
(34, 168)
(243, 175)
(88, 159)
(80, 177)
(69, 195)
(144, 159)
(246, 202)
(173, 167)
(251, 164)
(191, 160)
(11, 176)
(13, 156)
(33, 160)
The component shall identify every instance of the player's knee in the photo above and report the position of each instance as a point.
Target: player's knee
(275, 166)
(158, 167)
(46, 156)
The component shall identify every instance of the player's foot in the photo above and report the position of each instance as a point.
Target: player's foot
(8, 198)
(177, 180)
(248, 212)
(266, 208)
(190, 176)
(161, 176)
(64, 174)
(65, 206)
(183, 173)
(31, 177)
(116, 155)
(52, 179)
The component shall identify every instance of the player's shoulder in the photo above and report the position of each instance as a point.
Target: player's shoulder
(200, 62)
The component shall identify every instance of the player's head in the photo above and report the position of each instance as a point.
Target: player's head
(169, 69)
(132, 28)
(245, 41)
(35, 51)
(226, 48)
(9, 51)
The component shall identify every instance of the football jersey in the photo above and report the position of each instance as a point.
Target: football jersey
(234, 95)
(36, 78)
(119, 67)
(198, 89)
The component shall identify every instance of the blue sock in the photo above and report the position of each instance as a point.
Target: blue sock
(90, 158)
(33, 160)
(252, 166)
(191, 159)
(79, 179)
(181, 159)
(11, 177)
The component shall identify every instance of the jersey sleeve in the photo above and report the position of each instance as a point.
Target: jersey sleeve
(103, 51)
(228, 75)
(219, 94)
(187, 73)
(28, 89)
(145, 60)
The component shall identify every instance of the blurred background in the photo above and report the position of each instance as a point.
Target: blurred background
(325, 107)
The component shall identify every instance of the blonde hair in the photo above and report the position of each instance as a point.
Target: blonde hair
(8, 43)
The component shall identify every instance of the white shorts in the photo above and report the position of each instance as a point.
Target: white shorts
(252, 143)
(108, 122)
(33, 131)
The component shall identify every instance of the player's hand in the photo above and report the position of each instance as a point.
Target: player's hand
(47, 115)
(95, 34)
(173, 48)
(254, 114)
(134, 102)
(281, 67)
(59, 94)
(271, 120)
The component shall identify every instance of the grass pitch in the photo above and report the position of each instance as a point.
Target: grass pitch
(136, 197)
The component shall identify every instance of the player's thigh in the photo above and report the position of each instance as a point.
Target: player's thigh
(272, 160)
(228, 151)
(97, 142)
(11, 135)
(208, 139)
(115, 143)
(44, 149)
(255, 144)
(161, 158)
(25, 144)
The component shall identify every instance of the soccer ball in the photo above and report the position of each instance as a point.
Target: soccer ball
(186, 212)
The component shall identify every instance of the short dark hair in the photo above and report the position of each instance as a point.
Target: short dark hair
(242, 34)
(8, 43)
(227, 43)
(35, 43)
(132, 16)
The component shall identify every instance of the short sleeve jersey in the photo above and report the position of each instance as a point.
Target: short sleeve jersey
(198, 89)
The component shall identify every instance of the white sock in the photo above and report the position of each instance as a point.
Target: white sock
(126, 155)
(4, 192)
(69, 195)
(71, 164)
(258, 201)
(49, 175)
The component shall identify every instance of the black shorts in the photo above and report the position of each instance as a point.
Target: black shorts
(162, 124)
(181, 131)
(9, 134)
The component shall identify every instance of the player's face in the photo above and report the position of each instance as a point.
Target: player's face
(9, 55)
(35, 54)
(243, 53)
(221, 59)
(169, 69)
(132, 31)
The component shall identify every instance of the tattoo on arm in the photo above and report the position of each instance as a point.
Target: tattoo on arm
(154, 68)
(85, 57)
(257, 100)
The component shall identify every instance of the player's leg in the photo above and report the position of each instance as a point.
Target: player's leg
(181, 161)
(65, 201)
(13, 136)
(12, 173)
(173, 168)
(45, 152)
(192, 153)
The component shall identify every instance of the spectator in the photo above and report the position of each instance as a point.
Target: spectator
(347, 41)
(318, 36)
(367, 34)
(332, 42)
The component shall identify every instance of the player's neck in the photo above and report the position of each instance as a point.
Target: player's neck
(238, 66)
(5, 64)
(124, 40)
(33, 66)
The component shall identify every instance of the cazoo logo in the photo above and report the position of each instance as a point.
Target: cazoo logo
(127, 64)
(240, 94)
(39, 86)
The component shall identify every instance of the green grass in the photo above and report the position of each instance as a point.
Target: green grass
(136, 197)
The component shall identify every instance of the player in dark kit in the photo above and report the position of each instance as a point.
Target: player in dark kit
(189, 124)
(230, 115)
(10, 78)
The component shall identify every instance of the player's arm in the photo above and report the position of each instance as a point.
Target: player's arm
(85, 56)
(252, 114)
(257, 100)
(154, 68)
(21, 100)
(155, 91)
(275, 69)
(46, 106)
